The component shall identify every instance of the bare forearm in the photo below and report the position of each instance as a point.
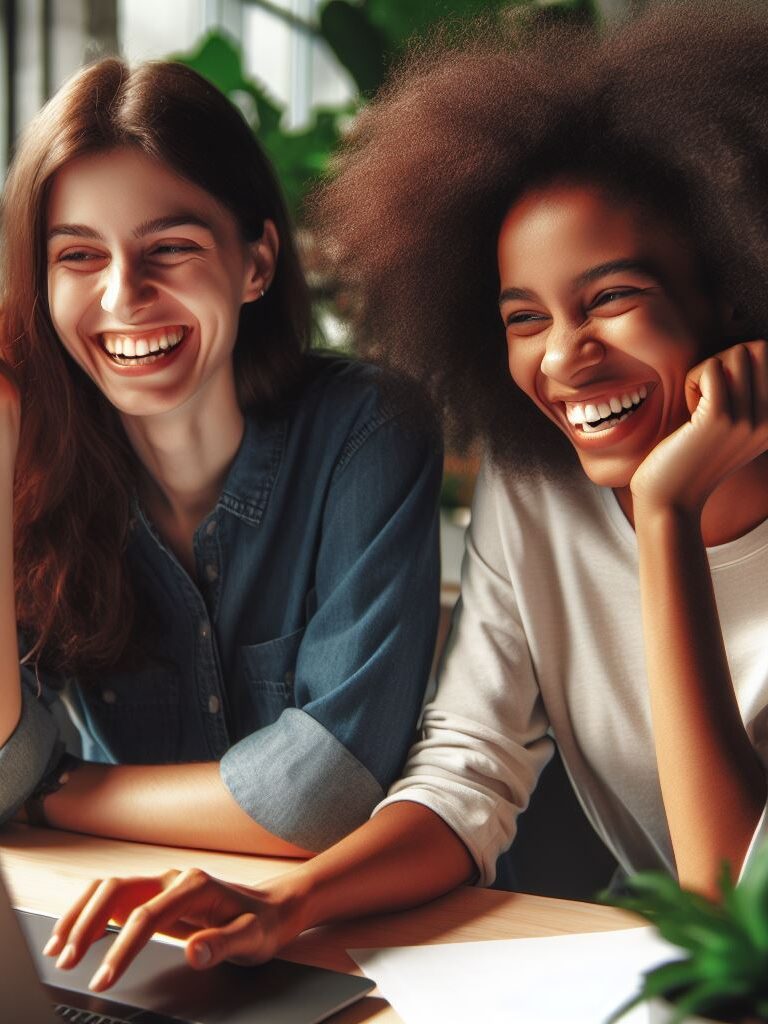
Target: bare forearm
(174, 805)
(405, 855)
(712, 782)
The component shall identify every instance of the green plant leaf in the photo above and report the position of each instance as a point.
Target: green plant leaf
(356, 41)
(707, 997)
(750, 899)
(218, 58)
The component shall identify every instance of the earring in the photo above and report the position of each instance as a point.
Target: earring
(261, 294)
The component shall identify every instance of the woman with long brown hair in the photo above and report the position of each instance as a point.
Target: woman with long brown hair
(224, 565)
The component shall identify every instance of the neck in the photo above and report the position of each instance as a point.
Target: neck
(737, 506)
(186, 455)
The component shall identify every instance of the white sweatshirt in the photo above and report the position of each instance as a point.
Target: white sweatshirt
(547, 638)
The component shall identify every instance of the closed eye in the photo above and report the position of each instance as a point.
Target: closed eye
(173, 250)
(523, 317)
(614, 295)
(79, 256)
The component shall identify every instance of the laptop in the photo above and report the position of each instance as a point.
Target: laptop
(159, 987)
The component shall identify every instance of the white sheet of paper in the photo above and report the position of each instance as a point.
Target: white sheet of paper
(563, 979)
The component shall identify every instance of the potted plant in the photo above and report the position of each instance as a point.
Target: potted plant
(722, 974)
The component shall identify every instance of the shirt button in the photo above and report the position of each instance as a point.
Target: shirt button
(211, 573)
(204, 631)
(211, 527)
(214, 704)
(289, 679)
(109, 696)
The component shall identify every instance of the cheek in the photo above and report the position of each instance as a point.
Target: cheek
(656, 336)
(65, 302)
(524, 362)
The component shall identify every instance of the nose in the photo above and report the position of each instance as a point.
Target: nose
(570, 350)
(127, 291)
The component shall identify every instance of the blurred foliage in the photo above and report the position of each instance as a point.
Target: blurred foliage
(723, 968)
(366, 37)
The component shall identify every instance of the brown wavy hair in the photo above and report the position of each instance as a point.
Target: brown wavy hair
(669, 111)
(75, 471)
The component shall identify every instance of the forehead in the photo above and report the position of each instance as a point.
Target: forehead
(121, 188)
(568, 228)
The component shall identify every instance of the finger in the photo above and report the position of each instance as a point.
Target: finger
(242, 941)
(112, 898)
(189, 893)
(758, 351)
(737, 369)
(63, 926)
(706, 388)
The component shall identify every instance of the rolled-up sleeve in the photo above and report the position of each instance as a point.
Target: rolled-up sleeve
(25, 756)
(484, 738)
(364, 658)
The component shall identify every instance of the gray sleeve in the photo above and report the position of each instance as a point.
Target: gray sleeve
(25, 757)
(312, 791)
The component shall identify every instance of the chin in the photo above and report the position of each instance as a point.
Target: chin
(611, 474)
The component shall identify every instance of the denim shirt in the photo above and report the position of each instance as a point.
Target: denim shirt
(299, 655)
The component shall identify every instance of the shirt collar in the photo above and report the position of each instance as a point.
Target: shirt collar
(252, 474)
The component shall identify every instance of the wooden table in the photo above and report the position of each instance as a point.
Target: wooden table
(47, 869)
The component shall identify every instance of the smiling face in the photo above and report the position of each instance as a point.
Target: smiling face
(604, 315)
(146, 277)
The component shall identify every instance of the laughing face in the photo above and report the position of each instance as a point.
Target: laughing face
(604, 315)
(146, 277)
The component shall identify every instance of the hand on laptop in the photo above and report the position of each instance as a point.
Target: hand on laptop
(220, 921)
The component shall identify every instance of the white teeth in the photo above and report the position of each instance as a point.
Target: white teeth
(589, 429)
(139, 348)
(584, 413)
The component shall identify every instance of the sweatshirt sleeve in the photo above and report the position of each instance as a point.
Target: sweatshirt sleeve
(484, 738)
(25, 756)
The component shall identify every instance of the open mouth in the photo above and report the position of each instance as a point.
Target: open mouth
(153, 347)
(594, 417)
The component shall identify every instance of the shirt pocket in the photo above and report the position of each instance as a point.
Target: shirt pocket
(135, 716)
(267, 672)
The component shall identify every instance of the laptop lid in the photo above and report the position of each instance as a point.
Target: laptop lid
(21, 995)
(160, 982)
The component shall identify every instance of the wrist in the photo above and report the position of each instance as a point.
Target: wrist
(289, 898)
(662, 511)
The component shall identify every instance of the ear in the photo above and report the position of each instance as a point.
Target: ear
(260, 268)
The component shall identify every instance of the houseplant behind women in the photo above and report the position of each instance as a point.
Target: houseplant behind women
(564, 235)
(224, 566)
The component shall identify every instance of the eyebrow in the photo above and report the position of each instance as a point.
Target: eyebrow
(588, 276)
(148, 227)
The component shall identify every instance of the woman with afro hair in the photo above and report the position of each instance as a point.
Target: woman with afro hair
(563, 235)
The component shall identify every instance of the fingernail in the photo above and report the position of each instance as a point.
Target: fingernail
(52, 946)
(201, 954)
(67, 957)
(101, 979)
